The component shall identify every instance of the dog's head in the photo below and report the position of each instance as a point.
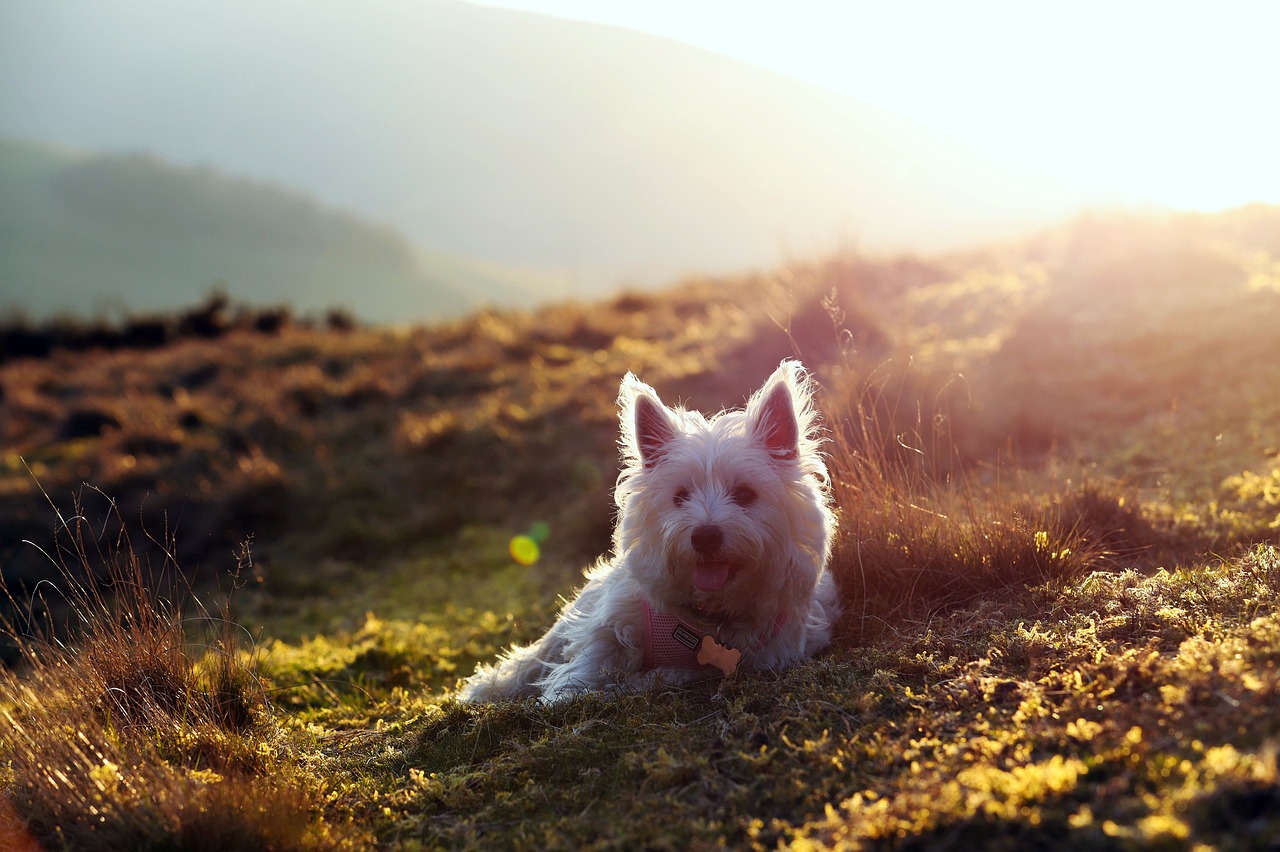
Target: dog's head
(725, 522)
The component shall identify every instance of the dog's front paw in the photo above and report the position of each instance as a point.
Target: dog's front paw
(568, 683)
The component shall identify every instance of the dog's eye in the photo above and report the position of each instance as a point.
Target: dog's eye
(682, 497)
(743, 495)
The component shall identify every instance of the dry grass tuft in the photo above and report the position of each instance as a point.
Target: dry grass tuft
(126, 736)
(920, 534)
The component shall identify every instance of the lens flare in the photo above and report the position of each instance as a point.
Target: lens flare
(524, 550)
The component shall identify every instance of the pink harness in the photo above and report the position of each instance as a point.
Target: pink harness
(670, 643)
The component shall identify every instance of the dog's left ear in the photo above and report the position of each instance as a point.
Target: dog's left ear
(772, 412)
(647, 429)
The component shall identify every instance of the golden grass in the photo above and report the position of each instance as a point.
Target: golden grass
(119, 734)
(1036, 451)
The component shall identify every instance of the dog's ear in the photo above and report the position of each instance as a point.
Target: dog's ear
(647, 429)
(774, 412)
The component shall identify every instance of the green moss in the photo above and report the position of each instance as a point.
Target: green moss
(987, 727)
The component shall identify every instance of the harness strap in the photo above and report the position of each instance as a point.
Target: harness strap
(671, 643)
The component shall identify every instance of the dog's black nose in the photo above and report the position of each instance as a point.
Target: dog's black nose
(706, 539)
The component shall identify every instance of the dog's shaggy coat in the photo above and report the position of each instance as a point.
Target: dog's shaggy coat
(724, 526)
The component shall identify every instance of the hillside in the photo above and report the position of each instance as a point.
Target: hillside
(518, 139)
(83, 234)
(1056, 465)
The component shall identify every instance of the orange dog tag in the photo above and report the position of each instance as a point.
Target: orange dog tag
(712, 653)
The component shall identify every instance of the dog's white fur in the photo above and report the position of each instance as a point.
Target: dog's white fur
(755, 475)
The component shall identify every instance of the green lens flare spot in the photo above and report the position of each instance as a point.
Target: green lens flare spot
(539, 531)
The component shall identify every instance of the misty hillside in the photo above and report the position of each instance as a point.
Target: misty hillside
(84, 233)
(505, 136)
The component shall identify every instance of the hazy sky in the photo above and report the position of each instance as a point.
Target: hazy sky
(1173, 102)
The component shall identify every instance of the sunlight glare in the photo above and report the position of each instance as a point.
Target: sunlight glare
(1146, 102)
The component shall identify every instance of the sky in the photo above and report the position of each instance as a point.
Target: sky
(1172, 103)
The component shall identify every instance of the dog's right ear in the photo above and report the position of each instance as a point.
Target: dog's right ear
(647, 430)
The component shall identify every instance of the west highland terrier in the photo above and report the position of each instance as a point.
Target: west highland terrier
(720, 553)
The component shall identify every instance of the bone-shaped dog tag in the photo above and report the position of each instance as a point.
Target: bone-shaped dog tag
(712, 653)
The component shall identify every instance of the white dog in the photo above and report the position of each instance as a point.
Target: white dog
(720, 553)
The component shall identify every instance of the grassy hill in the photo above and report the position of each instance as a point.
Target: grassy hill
(1057, 471)
(85, 234)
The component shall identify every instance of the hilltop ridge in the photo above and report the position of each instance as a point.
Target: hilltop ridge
(85, 234)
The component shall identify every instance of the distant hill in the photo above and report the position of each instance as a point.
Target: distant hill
(84, 233)
(517, 138)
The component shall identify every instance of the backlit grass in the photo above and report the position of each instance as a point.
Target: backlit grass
(1055, 470)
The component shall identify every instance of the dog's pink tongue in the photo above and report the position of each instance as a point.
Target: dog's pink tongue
(710, 576)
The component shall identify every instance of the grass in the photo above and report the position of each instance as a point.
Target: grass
(130, 737)
(1122, 708)
(1060, 619)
